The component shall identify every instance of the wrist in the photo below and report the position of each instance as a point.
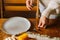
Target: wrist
(43, 17)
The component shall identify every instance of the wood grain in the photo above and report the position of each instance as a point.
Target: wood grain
(18, 8)
(4, 35)
(53, 30)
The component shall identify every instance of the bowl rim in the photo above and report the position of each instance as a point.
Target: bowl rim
(12, 18)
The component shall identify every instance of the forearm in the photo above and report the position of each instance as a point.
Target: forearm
(46, 12)
(51, 6)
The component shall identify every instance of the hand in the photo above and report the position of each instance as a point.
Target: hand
(29, 4)
(43, 22)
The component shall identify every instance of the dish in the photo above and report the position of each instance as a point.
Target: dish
(16, 25)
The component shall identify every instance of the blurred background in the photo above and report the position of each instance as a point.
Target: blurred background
(13, 8)
(0, 8)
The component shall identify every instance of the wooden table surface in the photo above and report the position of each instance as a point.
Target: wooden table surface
(53, 31)
(4, 35)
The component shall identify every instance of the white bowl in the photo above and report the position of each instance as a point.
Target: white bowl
(16, 25)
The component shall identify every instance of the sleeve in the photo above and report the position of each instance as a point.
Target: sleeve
(51, 6)
(41, 7)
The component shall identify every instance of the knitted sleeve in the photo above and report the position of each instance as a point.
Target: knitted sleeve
(51, 6)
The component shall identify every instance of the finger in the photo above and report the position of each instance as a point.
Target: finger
(27, 2)
(28, 5)
(39, 23)
(31, 3)
(43, 24)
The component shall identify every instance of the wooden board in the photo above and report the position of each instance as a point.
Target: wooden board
(15, 1)
(19, 8)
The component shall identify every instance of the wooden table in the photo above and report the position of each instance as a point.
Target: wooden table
(4, 35)
(53, 31)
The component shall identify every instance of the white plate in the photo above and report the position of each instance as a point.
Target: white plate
(16, 25)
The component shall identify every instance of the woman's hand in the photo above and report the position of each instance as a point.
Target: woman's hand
(43, 22)
(29, 4)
